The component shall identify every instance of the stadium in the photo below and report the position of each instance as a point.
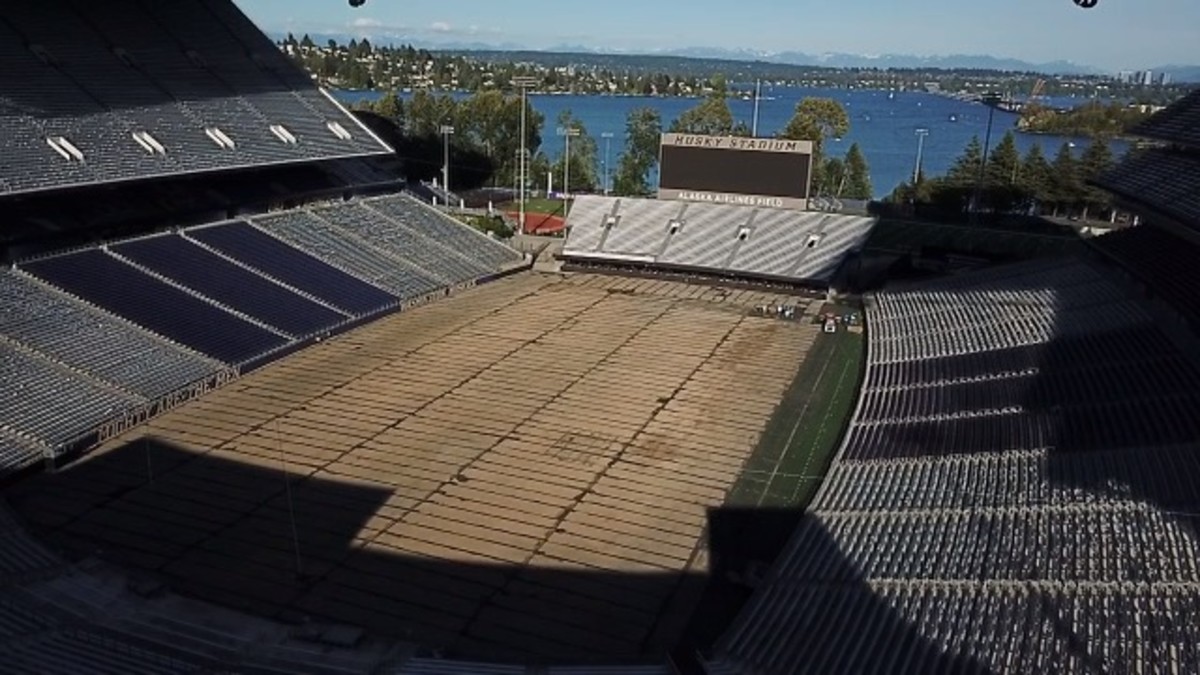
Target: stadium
(267, 411)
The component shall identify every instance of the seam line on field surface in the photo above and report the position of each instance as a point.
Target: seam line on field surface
(801, 484)
(702, 536)
(484, 368)
(795, 427)
(672, 304)
(266, 425)
(490, 365)
(517, 569)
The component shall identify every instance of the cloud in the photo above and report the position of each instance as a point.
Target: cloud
(366, 22)
(440, 27)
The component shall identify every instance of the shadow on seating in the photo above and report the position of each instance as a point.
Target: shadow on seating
(222, 530)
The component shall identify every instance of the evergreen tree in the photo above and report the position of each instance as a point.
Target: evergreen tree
(965, 170)
(858, 176)
(1036, 177)
(831, 178)
(1097, 160)
(307, 43)
(1065, 186)
(1004, 163)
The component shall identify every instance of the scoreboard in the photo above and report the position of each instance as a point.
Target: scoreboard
(768, 172)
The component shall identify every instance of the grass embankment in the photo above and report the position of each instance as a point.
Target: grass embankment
(796, 447)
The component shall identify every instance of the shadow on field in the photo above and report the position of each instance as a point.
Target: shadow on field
(222, 531)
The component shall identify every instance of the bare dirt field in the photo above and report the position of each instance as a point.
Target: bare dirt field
(524, 470)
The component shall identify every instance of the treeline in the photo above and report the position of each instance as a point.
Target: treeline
(486, 141)
(361, 64)
(1009, 183)
(1093, 120)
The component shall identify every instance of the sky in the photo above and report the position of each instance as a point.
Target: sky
(1115, 35)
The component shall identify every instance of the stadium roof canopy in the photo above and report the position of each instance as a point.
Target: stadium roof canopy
(121, 90)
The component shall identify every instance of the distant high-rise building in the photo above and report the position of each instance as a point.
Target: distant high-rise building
(1164, 79)
(1148, 78)
(1125, 76)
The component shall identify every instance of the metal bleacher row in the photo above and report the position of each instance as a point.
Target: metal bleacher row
(719, 238)
(125, 89)
(90, 334)
(1015, 493)
(86, 618)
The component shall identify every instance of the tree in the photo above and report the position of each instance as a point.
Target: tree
(390, 106)
(491, 122)
(1004, 163)
(858, 176)
(1096, 160)
(428, 112)
(1035, 177)
(831, 177)
(1065, 186)
(965, 170)
(816, 119)
(583, 156)
(710, 117)
(643, 129)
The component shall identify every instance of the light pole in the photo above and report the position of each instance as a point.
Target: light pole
(523, 83)
(754, 119)
(447, 131)
(990, 100)
(567, 133)
(922, 132)
(607, 136)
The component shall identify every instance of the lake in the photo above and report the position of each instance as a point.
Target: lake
(883, 124)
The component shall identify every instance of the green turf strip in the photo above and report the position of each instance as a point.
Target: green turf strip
(795, 449)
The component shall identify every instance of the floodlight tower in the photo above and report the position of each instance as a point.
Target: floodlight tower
(523, 83)
(607, 136)
(567, 133)
(922, 132)
(447, 132)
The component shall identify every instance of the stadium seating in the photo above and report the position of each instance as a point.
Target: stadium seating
(88, 335)
(360, 257)
(99, 278)
(49, 405)
(797, 246)
(437, 266)
(231, 285)
(85, 340)
(275, 259)
(487, 254)
(204, 90)
(1165, 180)
(1019, 471)
(1179, 123)
(17, 453)
(1165, 263)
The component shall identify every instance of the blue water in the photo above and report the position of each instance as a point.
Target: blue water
(883, 125)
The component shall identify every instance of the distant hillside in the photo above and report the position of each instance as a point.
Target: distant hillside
(902, 61)
(742, 60)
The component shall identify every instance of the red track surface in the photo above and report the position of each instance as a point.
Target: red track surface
(541, 223)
